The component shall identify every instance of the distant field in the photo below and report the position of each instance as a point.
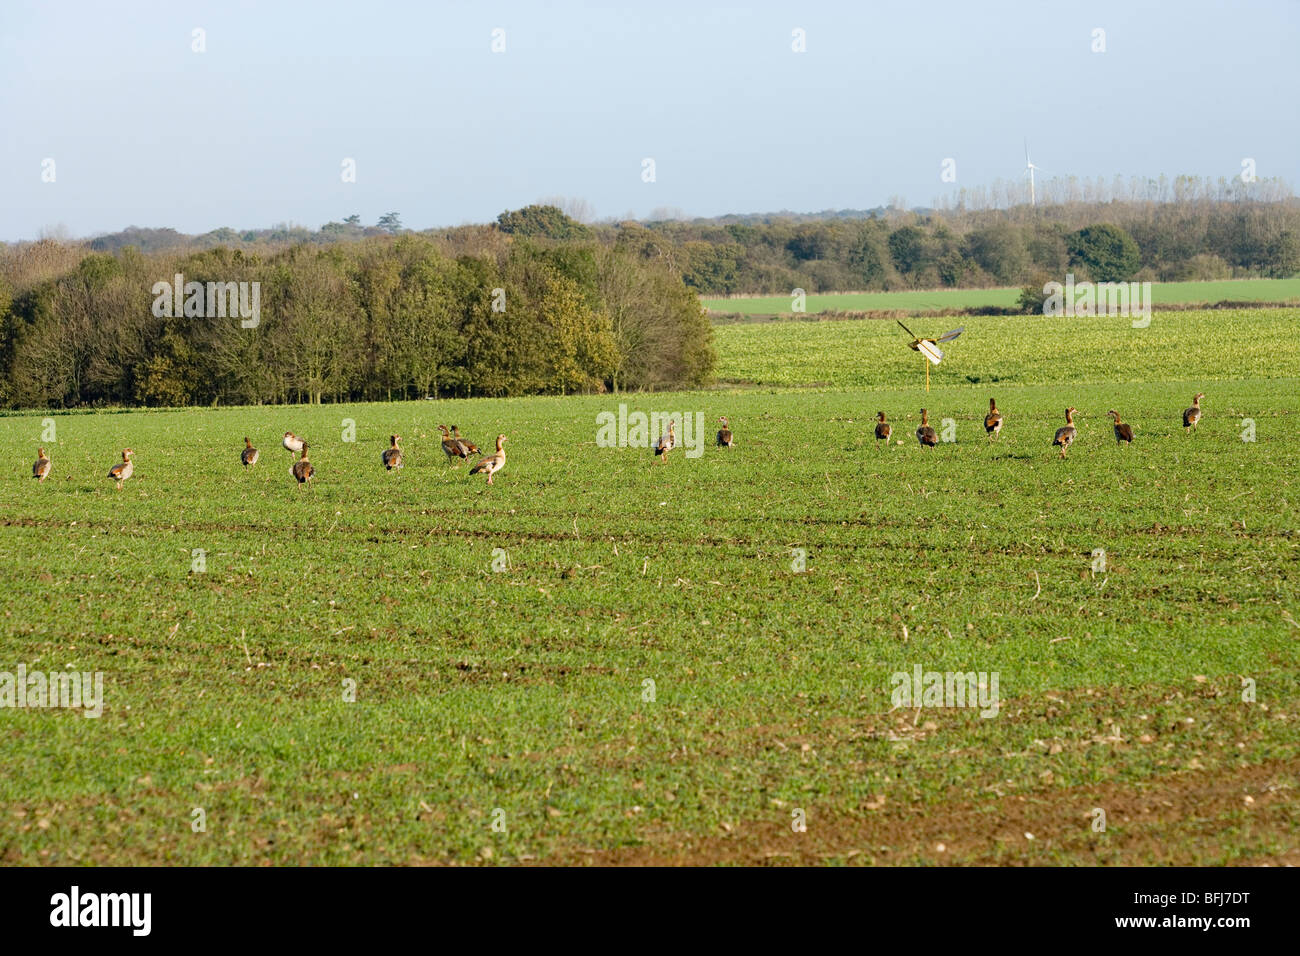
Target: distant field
(620, 661)
(1163, 293)
(1016, 350)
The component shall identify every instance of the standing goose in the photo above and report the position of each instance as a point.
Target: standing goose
(666, 443)
(1123, 432)
(293, 443)
(1192, 415)
(249, 455)
(393, 454)
(993, 420)
(453, 448)
(41, 470)
(883, 429)
(123, 469)
(302, 469)
(926, 435)
(469, 446)
(1065, 435)
(724, 433)
(492, 463)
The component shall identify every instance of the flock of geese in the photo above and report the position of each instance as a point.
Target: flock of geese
(392, 459)
(458, 448)
(303, 470)
(1063, 439)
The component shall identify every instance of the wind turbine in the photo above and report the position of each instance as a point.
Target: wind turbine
(1029, 168)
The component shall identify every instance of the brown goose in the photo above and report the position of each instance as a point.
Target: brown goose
(926, 435)
(249, 455)
(302, 469)
(393, 454)
(492, 463)
(666, 443)
(993, 420)
(469, 446)
(123, 469)
(883, 429)
(41, 470)
(293, 443)
(1065, 435)
(724, 433)
(1123, 432)
(1192, 415)
(453, 448)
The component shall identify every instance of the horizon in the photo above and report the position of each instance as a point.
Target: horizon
(254, 130)
(819, 215)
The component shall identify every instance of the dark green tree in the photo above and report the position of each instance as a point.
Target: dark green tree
(869, 256)
(1000, 251)
(908, 249)
(541, 222)
(1284, 255)
(1108, 252)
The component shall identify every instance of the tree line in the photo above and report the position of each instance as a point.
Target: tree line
(980, 249)
(489, 314)
(1180, 229)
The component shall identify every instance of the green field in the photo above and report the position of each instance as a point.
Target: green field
(1007, 351)
(1162, 293)
(520, 696)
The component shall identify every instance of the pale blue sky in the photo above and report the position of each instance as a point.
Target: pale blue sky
(252, 132)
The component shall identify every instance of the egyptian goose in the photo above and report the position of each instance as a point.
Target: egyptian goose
(123, 469)
(41, 470)
(1065, 434)
(1123, 432)
(469, 446)
(666, 443)
(724, 433)
(393, 454)
(883, 429)
(302, 469)
(1192, 415)
(453, 448)
(926, 435)
(492, 463)
(293, 443)
(993, 420)
(249, 455)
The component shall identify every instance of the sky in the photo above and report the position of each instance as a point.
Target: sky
(112, 118)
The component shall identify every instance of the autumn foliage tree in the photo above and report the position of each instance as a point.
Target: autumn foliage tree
(378, 318)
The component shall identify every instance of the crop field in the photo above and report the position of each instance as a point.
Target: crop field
(1162, 294)
(1001, 351)
(604, 659)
